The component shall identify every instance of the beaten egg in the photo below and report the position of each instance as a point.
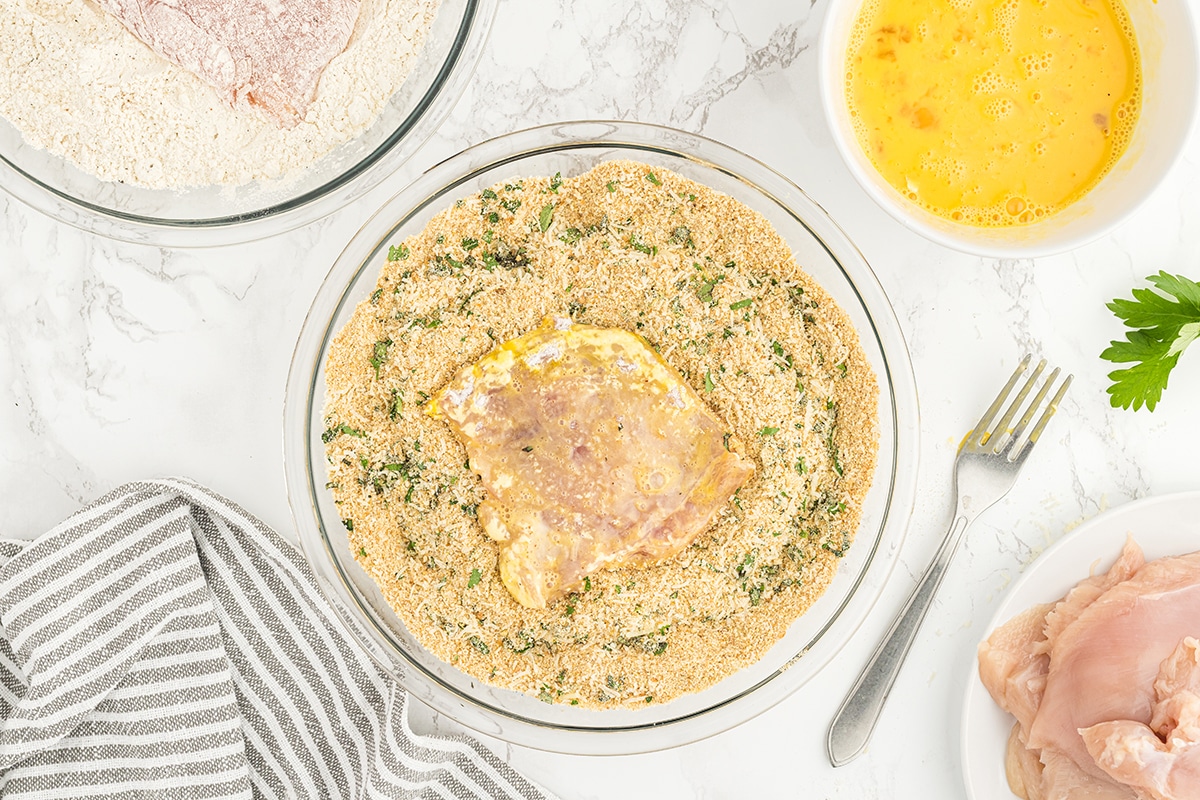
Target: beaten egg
(993, 112)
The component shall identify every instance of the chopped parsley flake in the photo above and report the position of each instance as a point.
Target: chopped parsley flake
(637, 244)
(329, 435)
(379, 355)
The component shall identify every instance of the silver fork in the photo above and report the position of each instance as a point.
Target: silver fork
(986, 468)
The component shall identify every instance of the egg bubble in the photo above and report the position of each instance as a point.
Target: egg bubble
(999, 108)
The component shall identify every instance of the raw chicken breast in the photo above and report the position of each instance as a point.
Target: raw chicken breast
(1022, 767)
(1063, 779)
(1103, 666)
(271, 52)
(1160, 760)
(1067, 610)
(594, 453)
(1013, 665)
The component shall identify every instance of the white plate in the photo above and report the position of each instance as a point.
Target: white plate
(1163, 526)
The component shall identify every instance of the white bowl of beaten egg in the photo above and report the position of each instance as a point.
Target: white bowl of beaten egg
(1010, 128)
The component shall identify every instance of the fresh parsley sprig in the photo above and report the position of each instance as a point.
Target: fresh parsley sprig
(1161, 328)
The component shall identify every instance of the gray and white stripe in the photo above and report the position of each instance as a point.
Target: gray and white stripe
(164, 643)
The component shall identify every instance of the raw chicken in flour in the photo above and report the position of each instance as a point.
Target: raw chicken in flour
(270, 52)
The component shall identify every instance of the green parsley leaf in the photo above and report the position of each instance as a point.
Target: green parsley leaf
(398, 253)
(709, 385)
(556, 182)
(1161, 328)
(546, 217)
(768, 431)
(474, 580)
(741, 304)
(650, 176)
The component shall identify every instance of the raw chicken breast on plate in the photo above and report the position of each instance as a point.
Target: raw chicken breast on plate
(1103, 685)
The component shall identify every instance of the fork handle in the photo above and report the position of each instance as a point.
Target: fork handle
(855, 720)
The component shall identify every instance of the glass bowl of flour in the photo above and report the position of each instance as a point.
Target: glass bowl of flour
(103, 134)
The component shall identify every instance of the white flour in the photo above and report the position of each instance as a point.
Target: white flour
(76, 83)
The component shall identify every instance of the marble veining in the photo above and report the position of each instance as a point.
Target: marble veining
(120, 362)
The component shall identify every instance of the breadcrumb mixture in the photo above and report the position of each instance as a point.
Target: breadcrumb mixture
(708, 283)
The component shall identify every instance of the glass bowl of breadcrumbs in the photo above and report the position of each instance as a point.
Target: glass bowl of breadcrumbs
(745, 287)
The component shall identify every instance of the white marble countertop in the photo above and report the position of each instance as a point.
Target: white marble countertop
(120, 362)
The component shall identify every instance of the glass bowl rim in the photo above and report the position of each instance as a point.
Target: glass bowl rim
(360, 254)
(422, 121)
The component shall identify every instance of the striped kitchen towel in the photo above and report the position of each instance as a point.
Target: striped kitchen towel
(164, 643)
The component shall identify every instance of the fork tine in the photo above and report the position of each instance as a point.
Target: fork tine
(979, 435)
(1041, 423)
(1001, 428)
(1023, 423)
